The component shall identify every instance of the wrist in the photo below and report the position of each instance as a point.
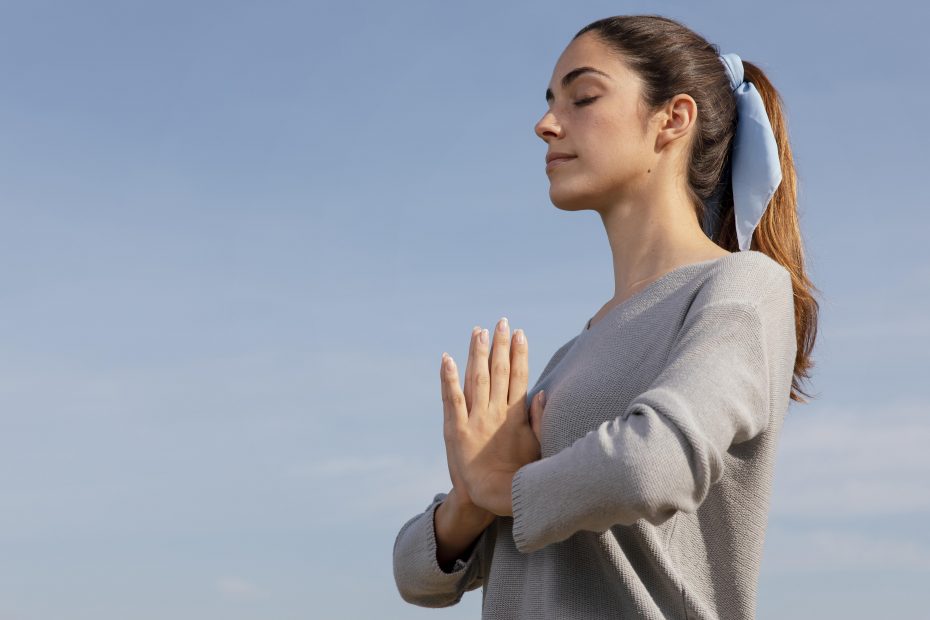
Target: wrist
(466, 511)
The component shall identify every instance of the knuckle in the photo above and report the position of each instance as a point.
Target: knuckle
(501, 367)
(456, 399)
(482, 378)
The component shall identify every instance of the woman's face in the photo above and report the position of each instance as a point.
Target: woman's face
(596, 118)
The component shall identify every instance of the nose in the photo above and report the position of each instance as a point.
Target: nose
(547, 127)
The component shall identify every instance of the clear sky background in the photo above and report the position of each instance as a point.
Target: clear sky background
(238, 236)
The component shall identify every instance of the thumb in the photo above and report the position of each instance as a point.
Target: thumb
(536, 413)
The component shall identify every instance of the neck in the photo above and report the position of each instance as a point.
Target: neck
(651, 234)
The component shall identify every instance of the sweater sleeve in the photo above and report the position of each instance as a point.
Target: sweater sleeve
(665, 450)
(417, 573)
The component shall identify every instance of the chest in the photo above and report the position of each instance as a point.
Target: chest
(597, 378)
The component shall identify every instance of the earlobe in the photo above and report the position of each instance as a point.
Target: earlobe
(668, 132)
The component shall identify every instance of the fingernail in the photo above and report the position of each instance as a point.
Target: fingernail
(484, 336)
(519, 337)
(502, 324)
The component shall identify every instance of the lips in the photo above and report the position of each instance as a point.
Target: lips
(557, 155)
(557, 160)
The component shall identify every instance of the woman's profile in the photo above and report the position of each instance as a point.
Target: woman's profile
(633, 479)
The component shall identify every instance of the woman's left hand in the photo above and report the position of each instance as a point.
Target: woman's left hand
(493, 439)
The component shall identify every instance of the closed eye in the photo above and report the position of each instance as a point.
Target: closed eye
(585, 101)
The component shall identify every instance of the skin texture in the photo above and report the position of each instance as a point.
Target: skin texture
(629, 166)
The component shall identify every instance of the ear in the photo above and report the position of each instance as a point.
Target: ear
(676, 120)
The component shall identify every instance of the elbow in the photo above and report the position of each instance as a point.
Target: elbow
(419, 580)
(421, 599)
(656, 489)
(657, 508)
(416, 593)
(674, 475)
(673, 486)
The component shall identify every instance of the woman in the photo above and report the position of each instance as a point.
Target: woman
(639, 487)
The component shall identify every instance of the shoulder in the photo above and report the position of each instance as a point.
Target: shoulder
(748, 277)
(751, 291)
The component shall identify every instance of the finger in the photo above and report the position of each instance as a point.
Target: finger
(519, 371)
(500, 364)
(470, 368)
(536, 414)
(453, 400)
(481, 377)
(449, 432)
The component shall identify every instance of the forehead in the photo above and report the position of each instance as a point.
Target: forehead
(588, 51)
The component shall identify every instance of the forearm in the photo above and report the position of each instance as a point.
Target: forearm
(457, 528)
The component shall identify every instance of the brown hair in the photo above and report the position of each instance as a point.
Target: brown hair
(670, 59)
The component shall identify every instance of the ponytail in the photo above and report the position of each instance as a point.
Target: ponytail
(779, 233)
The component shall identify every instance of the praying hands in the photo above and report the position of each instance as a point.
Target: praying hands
(487, 431)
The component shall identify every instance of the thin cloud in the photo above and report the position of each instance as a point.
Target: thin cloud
(380, 484)
(239, 589)
(347, 466)
(854, 462)
(822, 550)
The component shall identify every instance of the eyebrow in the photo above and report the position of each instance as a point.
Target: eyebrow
(571, 76)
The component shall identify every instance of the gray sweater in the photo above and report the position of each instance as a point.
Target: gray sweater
(659, 438)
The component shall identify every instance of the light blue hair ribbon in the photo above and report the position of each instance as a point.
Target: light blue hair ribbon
(754, 165)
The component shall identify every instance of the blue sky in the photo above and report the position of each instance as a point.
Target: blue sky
(236, 243)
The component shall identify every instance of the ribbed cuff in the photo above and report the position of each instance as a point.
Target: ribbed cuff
(519, 517)
(417, 573)
(526, 483)
(460, 565)
(538, 492)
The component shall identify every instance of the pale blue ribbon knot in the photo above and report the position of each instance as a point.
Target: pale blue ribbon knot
(755, 167)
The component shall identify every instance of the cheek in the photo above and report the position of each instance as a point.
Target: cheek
(612, 145)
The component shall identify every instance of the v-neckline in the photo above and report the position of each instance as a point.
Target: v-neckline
(641, 295)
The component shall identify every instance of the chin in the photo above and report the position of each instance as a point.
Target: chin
(569, 196)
